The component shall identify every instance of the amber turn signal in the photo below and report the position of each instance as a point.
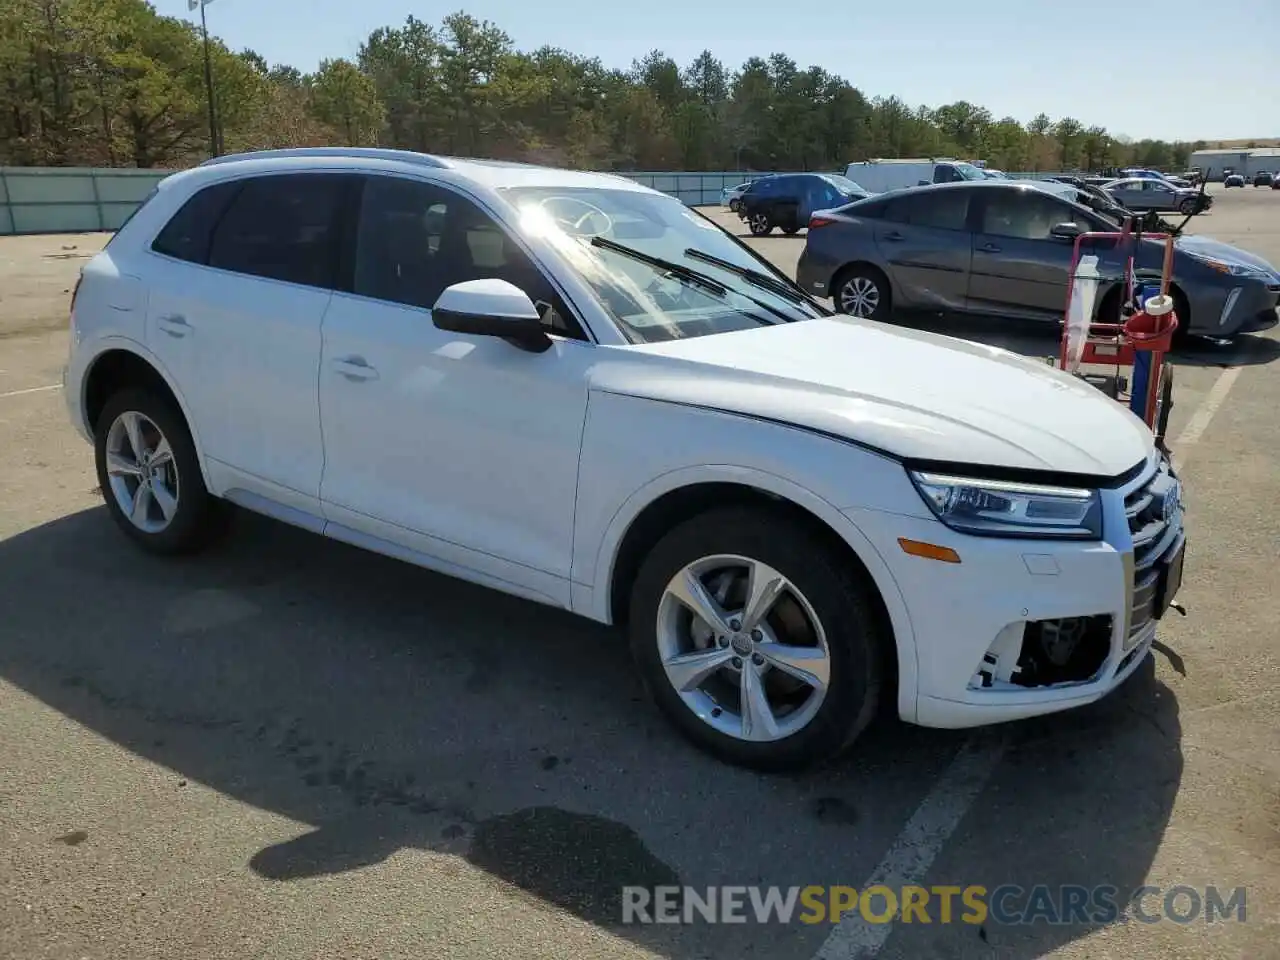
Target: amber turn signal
(930, 551)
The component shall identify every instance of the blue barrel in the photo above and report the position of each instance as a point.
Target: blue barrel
(1141, 361)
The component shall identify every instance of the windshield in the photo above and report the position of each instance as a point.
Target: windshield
(652, 303)
(846, 186)
(969, 172)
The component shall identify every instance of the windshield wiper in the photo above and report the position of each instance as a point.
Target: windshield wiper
(756, 278)
(684, 273)
(688, 274)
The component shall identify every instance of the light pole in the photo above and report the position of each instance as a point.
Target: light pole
(208, 76)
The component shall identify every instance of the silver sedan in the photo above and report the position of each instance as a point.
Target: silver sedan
(1141, 194)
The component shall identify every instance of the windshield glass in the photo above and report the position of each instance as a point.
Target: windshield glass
(969, 172)
(651, 304)
(845, 185)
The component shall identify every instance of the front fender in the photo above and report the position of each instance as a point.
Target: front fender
(622, 474)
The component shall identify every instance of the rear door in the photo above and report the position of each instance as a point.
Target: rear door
(237, 319)
(1018, 267)
(923, 238)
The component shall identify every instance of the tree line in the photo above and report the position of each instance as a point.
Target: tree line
(113, 83)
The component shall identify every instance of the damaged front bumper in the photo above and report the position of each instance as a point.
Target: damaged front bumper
(1023, 628)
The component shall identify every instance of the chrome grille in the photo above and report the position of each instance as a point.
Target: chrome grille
(1155, 525)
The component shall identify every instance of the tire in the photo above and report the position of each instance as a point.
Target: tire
(1181, 336)
(195, 517)
(1188, 207)
(808, 731)
(791, 231)
(734, 205)
(760, 224)
(871, 285)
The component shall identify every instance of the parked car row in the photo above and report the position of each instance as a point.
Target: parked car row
(1004, 248)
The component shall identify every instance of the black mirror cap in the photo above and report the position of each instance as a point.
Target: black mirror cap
(1066, 231)
(526, 334)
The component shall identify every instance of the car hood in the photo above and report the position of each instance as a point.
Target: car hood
(1224, 252)
(915, 395)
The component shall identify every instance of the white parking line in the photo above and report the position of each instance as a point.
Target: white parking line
(914, 850)
(19, 393)
(1199, 421)
(921, 840)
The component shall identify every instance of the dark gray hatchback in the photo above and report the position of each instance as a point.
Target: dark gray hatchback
(1003, 248)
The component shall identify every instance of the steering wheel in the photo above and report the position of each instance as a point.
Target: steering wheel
(580, 219)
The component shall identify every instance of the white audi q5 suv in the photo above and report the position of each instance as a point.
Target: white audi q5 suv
(572, 388)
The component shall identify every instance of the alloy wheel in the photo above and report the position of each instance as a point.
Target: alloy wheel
(743, 648)
(142, 472)
(860, 297)
(759, 223)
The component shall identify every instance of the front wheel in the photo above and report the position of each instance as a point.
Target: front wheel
(760, 224)
(756, 641)
(862, 292)
(1188, 207)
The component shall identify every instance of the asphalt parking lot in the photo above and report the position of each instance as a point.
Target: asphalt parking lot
(290, 748)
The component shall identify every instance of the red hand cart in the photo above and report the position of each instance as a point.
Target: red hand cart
(1139, 338)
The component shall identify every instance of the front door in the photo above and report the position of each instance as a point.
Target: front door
(460, 451)
(1019, 268)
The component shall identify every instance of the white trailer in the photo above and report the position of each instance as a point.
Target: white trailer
(881, 176)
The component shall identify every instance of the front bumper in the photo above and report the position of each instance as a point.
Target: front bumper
(1247, 305)
(976, 623)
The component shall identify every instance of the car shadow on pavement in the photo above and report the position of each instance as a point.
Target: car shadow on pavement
(390, 708)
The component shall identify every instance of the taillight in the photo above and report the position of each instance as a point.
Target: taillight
(817, 221)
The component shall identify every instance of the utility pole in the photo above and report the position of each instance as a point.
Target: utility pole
(214, 147)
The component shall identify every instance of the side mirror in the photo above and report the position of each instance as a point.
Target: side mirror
(491, 308)
(1066, 231)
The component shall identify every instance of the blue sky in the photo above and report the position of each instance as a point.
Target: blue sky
(1015, 58)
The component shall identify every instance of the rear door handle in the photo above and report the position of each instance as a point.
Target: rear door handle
(174, 324)
(989, 248)
(895, 236)
(355, 368)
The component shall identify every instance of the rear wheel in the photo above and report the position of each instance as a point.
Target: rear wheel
(791, 230)
(756, 640)
(150, 475)
(760, 224)
(862, 291)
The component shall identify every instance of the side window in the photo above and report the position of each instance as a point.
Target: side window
(416, 238)
(945, 173)
(937, 209)
(281, 228)
(189, 231)
(1026, 214)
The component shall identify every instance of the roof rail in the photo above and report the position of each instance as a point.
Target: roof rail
(367, 153)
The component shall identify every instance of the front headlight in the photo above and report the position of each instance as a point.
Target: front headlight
(1234, 269)
(997, 508)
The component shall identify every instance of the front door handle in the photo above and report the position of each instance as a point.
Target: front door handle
(355, 368)
(174, 324)
(895, 236)
(989, 248)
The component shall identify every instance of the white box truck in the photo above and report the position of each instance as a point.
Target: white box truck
(881, 176)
